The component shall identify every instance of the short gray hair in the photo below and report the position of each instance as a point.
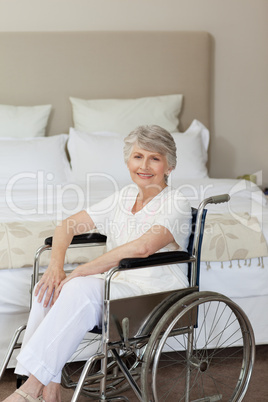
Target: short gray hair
(154, 139)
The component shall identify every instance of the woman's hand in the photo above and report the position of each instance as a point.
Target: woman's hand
(63, 234)
(152, 241)
(48, 283)
(79, 271)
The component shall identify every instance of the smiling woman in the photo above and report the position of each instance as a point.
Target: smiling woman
(150, 154)
(148, 170)
(154, 139)
(138, 221)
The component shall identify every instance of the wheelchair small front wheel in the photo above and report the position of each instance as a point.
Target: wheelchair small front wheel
(202, 349)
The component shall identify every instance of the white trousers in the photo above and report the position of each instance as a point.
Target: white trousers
(53, 334)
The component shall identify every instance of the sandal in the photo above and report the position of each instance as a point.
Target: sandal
(28, 397)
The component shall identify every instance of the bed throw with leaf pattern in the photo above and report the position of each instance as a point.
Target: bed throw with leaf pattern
(230, 237)
(226, 238)
(20, 240)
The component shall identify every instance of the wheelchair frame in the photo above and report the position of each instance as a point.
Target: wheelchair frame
(160, 316)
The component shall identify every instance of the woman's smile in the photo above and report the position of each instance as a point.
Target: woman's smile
(145, 175)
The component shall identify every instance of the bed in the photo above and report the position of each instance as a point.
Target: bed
(66, 102)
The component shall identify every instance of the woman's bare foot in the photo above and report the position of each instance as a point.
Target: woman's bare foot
(51, 393)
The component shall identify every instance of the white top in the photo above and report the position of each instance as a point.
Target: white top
(113, 217)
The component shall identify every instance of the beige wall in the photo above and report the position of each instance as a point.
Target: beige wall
(240, 31)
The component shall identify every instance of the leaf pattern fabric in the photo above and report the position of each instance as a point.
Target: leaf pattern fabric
(226, 238)
(20, 240)
(232, 237)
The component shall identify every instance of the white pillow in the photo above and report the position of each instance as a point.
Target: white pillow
(124, 115)
(34, 161)
(23, 121)
(98, 158)
(192, 146)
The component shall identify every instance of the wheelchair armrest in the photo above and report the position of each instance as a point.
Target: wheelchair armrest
(162, 258)
(85, 238)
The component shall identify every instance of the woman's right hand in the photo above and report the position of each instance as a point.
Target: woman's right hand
(48, 283)
(54, 275)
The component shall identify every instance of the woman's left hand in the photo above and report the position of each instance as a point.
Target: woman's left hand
(79, 271)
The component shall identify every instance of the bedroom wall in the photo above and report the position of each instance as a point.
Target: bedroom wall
(239, 137)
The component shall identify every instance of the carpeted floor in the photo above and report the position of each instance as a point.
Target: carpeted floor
(257, 391)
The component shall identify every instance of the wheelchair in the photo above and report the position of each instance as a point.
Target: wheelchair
(168, 346)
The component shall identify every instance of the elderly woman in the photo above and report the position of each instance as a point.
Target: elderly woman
(139, 220)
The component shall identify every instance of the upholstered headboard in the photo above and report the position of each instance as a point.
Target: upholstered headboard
(47, 68)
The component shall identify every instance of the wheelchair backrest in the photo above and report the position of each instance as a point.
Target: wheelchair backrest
(199, 245)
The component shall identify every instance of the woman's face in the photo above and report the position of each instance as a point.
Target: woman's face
(148, 168)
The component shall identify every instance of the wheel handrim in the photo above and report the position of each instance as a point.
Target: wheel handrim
(204, 362)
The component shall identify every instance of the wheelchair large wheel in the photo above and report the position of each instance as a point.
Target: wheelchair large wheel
(201, 350)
